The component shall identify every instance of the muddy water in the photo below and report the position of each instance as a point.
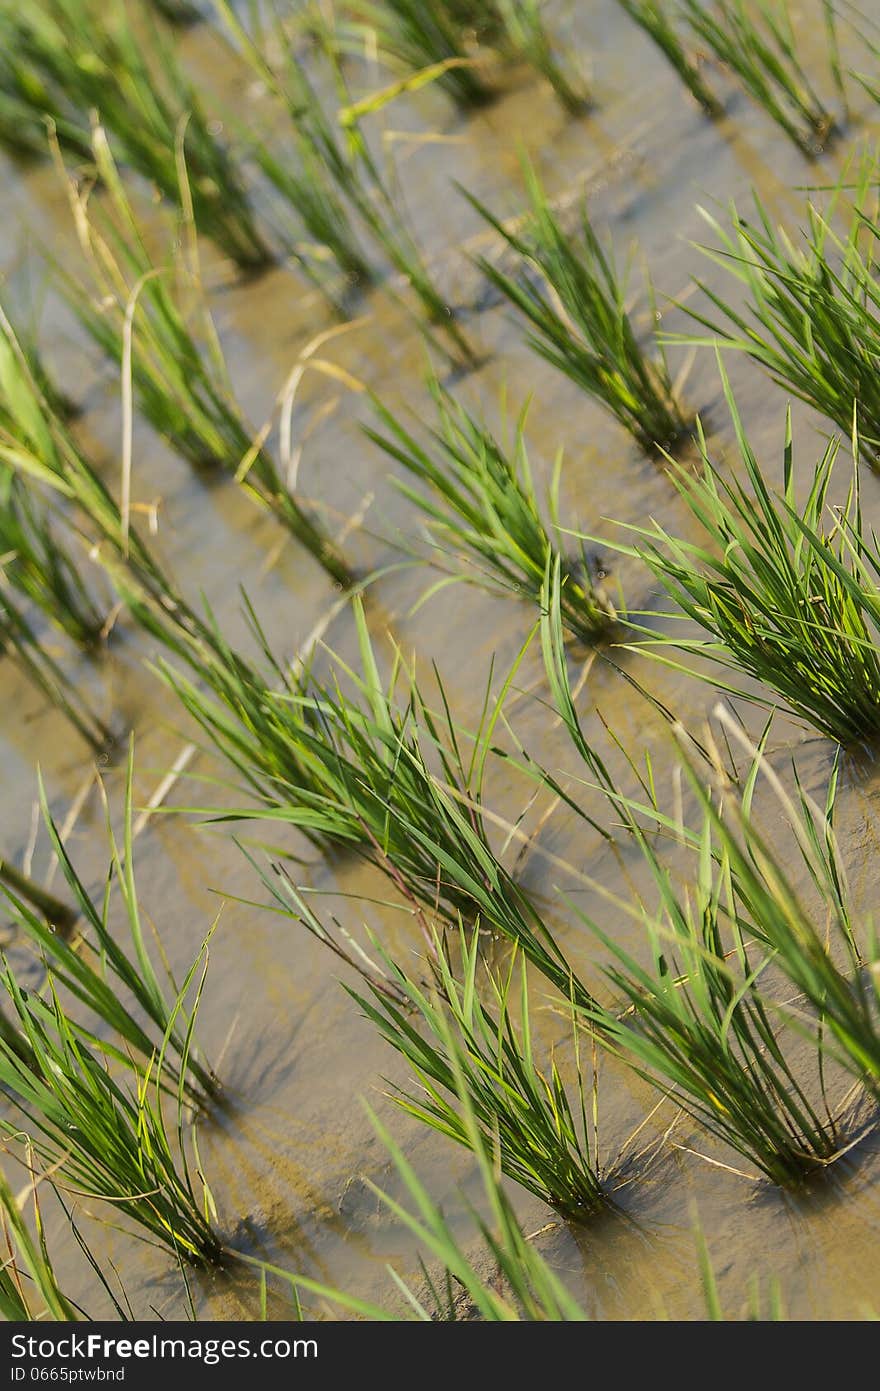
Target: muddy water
(289, 1157)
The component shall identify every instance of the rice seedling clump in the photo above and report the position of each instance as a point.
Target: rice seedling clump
(787, 592)
(69, 58)
(483, 509)
(811, 309)
(568, 290)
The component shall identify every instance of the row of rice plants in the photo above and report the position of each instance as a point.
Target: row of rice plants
(89, 1079)
(347, 819)
(357, 770)
(758, 43)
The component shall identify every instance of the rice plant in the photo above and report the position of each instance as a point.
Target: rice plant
(29, 1288)
(26, 101)
(700, 1024)
(303, 184)
(825, 954)
(92, 1089)
(40, 448)
(526, 1117)
(567, 288)
(654, 18)
(758, 42)
(371, 193)
(91, 56)
(787, 592)
(36, 443)
(701, 1019)
(358, 772)
(481, 505)
(96, 969)
(450, 1038)
(340, 148)
(33, 441)
(33, 560)
(106, 1128)
(154, 320)
(811, 309)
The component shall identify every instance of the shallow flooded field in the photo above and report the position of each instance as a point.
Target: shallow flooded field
(289, 1154)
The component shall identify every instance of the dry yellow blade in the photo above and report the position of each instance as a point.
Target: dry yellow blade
(350, 115)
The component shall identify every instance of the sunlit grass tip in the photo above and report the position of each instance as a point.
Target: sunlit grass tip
(567, 288)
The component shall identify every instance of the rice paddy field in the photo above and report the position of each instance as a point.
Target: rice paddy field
(440, 686)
